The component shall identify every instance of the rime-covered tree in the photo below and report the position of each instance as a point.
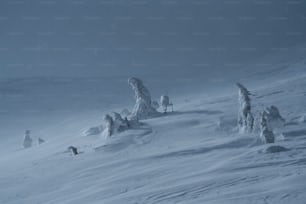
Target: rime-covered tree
(143, 107)
(117, 117)
(109, 125)
(120, 124)
(164, 101)
(27, 141)
(266, 133)
(274, 118)
(245, 117)
(125, 113)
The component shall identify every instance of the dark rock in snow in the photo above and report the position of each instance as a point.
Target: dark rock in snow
(276, 149)
(74, 150)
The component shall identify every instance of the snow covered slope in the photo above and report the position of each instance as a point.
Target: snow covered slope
(193, 155)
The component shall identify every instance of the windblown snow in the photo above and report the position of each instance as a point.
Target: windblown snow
(190, 156)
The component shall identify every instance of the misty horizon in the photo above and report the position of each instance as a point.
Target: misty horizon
(123, 38)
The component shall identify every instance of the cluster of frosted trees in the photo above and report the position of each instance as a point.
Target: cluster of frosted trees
(270, 118)
(144, 108)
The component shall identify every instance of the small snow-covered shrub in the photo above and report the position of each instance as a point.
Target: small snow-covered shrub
(155, 105)
(143, 107)
(266, 133)
(27, 141)
(40, 141)
(115, 124)
(120, 124)
(111, 125)
(245, 117)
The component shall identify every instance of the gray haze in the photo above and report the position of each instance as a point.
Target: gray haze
(143, 37)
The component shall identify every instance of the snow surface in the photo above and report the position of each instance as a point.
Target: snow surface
(193, 155)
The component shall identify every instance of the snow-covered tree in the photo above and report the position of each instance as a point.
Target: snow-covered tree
(117, 117)
(125, 112)
(165, 103)
(120, 124)
(27, 141)
(109, 125)
(274, 119)
(266, 133)
(245, 117)
(143, 107)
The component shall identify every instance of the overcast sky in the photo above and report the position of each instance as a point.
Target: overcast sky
(128, 37)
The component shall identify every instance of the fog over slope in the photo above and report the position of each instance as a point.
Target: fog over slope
(143, 37)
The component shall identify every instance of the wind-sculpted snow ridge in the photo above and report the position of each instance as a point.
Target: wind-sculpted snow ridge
(193, 155)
